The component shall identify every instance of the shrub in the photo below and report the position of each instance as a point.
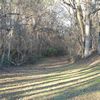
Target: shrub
(51, 51)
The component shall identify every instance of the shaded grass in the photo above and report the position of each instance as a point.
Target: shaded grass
(61, 84)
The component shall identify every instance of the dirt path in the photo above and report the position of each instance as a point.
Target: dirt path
(52, 79)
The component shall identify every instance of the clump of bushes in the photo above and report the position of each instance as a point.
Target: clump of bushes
(4, 61)
(51, 51)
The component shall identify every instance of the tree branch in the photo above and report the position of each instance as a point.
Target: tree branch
(68, 4)
(93, 12)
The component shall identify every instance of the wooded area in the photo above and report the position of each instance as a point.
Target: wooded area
(49, 49)
(32, 29)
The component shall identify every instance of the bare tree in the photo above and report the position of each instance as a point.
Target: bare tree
(84, 9)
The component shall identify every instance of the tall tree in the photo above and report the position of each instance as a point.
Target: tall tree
(84, 10)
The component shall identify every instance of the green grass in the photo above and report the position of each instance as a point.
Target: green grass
(65, 83)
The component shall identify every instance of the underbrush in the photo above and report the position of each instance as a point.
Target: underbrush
(52, 51)
(18, 59)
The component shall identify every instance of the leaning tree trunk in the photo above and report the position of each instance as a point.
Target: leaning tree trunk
(80, 19)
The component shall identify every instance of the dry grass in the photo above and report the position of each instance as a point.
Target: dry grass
(89, 96)
(50, 82)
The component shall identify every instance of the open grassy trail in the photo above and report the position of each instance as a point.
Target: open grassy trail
(54, 80)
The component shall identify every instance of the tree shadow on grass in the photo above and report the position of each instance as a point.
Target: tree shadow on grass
(69, 95)
(67, 92)
(55, 91)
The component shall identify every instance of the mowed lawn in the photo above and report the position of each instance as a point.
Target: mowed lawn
(53, 80)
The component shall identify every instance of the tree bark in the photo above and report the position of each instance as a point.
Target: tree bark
(87, 32)
(87, 37)
(98, 49)
(81, 24)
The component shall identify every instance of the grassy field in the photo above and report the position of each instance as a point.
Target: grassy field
(52, 79)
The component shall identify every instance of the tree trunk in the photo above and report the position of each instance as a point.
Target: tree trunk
(81, 24)
(87, 32)
(87, 37)
(98, 49)
(88, 43)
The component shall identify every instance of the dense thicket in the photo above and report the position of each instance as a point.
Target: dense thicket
(30, 29)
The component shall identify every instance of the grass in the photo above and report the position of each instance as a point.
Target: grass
(66, 82)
